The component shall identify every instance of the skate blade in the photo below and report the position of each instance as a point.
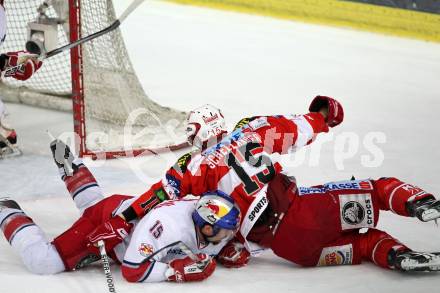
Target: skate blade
(10, 153)
(430, 215)
(412, 265)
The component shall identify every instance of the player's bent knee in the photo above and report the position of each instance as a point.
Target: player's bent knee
(43, 259)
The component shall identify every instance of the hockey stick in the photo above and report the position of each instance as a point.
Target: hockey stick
(10, 71)
(106, 266)
(187, 251)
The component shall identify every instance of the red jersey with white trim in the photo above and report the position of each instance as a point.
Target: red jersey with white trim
(240, 165)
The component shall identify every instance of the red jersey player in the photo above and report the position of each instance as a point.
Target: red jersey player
(309, 226)
(320, 225)
(239, 163)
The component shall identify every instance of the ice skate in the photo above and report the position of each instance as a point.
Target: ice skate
(417, 261)
(426, 209)
(63, 157)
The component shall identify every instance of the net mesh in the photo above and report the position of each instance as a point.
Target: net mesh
(119, 115)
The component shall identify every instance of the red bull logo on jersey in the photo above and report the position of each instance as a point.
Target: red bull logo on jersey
(336, 255)
(146, 249)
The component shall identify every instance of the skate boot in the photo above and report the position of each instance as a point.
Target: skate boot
(426, 209)
(7, 203)
(63, 157)
(8, 144)
(11, 138)
(416, 261)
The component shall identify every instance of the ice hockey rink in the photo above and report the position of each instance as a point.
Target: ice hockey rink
(250, 65)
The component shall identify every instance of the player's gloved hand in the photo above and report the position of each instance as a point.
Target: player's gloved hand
(12, 59)
(234, 255)
(335, 112)
(111, 232)
(188, 270)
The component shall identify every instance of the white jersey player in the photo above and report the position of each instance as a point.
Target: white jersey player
(155, 249)
(157, 239)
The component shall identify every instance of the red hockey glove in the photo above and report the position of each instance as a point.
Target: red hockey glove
(29, 62)
(234, 255)
(187, 270)
(335, 111)
(112, 232)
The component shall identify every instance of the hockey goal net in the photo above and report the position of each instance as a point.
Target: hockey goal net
(96, 81)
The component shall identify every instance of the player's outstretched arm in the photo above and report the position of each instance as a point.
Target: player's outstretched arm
(279, 134)
(30, 65)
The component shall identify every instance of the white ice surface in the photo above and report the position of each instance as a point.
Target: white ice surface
(249, 65)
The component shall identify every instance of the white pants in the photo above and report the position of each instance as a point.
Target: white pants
(37, 253)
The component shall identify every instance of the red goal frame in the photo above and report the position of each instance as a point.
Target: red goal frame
(78, 108)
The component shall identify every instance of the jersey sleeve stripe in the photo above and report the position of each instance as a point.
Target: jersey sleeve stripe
(83, 188)
(305, 131)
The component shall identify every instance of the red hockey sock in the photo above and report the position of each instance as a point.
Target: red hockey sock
(376, 246)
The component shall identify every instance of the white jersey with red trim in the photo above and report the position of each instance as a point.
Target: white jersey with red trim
(156, 238)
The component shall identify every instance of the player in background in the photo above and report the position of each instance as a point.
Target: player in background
(150, 249)
(8, 136)
(320, 225)
(239, 163)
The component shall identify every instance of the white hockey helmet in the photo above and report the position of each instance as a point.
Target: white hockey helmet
(2, 23)
(204, 123)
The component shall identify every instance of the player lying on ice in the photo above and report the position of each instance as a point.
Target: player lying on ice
(8, 136)
(309, 226)
(320, 225)
(238, 164)
(151, 249)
